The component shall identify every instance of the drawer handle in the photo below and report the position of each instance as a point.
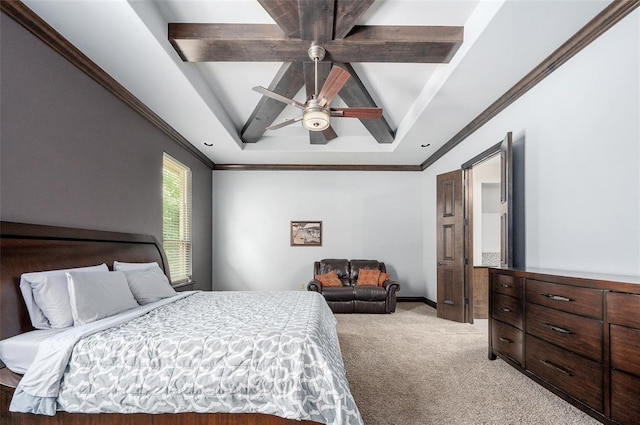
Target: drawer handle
(556, 367)
(557, 329)
(505, 340)
(505, 309)
(448, 302)
(556, 297)
(506, 285)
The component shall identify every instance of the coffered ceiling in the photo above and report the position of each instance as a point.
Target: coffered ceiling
(428, 92)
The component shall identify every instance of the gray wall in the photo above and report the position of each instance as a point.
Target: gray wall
(72, 154)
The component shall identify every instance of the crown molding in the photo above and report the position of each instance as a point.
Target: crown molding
(24, 16)
(313, 167)
(609, 16)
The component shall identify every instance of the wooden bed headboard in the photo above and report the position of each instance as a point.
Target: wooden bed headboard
(31, 247)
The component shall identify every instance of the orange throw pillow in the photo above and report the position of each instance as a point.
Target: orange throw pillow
(383, 278)
(328, 279)
(368, 277)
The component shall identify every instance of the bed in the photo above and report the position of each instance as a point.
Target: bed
(28, 248)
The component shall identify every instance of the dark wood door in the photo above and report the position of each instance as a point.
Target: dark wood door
(450, 249)
(506, 202)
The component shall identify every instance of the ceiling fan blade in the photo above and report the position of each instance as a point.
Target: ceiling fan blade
(279, 97)
(362, 113)
(322, 137)
(284, 123)
(336, 79)
(329, 133)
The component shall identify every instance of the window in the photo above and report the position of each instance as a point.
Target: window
(176, 218)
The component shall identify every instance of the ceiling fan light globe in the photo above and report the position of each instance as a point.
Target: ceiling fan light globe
(315, 120)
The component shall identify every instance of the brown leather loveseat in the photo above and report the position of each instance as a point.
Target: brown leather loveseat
(347, 296)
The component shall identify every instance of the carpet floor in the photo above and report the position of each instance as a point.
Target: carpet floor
(411, 368)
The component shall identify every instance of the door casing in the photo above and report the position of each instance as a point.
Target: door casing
(468, 221)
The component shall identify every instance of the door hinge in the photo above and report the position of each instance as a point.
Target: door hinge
(466, 261)
(466, 301)
(465, 221)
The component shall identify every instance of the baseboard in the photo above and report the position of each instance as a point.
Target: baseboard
(417, 300)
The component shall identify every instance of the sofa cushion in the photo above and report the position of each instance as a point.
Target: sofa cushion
(369, 293)
(339, 266)
(357, 265)
(383, 278)
(343, 293)
(328, 279)
(368, 277)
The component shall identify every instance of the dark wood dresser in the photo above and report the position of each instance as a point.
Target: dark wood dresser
(577, 334)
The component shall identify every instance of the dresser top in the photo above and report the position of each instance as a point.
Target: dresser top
(577, 278)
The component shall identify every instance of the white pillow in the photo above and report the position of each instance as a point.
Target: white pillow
(149, 285)
(47, 298)
(119, 265)
(96, 295)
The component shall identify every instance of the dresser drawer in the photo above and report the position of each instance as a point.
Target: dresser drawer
(507, 309)
(578, 377)
(575, 333)
(623, 309)
(625, 349)
(625, 393)
(507, 340)
(572, 299)
(507, 285)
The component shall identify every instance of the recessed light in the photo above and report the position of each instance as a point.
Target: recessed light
(208, 144)
(426, 145)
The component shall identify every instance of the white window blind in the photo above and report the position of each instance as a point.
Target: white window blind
(176, 218)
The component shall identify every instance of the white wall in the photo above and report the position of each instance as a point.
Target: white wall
(581, 130)
(371, 215)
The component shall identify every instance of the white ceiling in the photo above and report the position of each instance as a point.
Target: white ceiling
(423, 103)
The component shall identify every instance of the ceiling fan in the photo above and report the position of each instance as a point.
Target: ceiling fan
(316, 112)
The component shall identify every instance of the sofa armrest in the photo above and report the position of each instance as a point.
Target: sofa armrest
(391, 286)
(314, 285)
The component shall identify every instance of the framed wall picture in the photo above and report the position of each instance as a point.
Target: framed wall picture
(306, 233)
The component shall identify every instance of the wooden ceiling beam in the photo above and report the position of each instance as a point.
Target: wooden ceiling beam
(267, 43)
(354, 94)
(347, 14)
(285, 14)
(316, 20)
(287, 82)
(329, 23)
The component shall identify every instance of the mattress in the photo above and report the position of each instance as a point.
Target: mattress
(230, 352)
(18, 352)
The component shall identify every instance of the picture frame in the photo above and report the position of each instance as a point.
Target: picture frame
(306, 233)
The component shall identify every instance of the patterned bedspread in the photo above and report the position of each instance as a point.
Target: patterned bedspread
(254, 352)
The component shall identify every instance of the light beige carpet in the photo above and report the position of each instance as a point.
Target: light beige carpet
(411, 368)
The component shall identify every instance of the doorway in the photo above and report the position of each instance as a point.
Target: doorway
(465, 245)
(494, 208)
(455, 237)
(485, 225)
